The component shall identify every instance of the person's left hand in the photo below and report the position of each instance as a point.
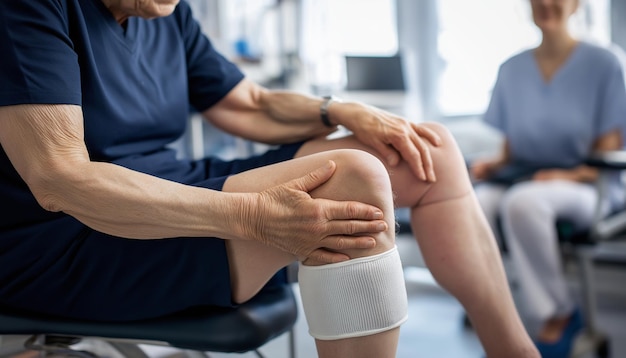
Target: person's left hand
(392, 136)
(554, 174)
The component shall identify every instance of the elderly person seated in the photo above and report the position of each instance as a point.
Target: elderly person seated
(101, 221)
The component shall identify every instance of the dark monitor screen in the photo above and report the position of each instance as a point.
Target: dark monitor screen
(374, 73)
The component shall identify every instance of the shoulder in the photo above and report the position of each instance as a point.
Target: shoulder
(183, 8)
(34, 4)
(183, 13)
(518, 60)
(600, 56)
(33, 9)
(33, 23)
(517, 64)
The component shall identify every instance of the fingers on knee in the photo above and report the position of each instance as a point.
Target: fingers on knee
(447, 157)
(447, 139)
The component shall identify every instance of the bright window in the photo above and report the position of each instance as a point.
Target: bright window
(332, 29)
(476, 36)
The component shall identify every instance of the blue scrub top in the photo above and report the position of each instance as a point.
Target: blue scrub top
(135, 85)
(554, 124)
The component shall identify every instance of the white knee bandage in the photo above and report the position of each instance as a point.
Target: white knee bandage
(354, 298)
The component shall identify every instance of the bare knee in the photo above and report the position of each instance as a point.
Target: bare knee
(361, 177)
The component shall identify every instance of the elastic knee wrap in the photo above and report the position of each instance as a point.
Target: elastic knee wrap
(354, 298)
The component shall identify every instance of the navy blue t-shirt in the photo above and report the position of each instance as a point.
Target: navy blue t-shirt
(135, 85)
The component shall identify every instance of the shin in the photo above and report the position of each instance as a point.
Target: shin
(355, 298)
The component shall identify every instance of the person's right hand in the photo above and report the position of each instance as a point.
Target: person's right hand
(288, 218)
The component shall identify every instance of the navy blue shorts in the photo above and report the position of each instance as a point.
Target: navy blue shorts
(64, 268)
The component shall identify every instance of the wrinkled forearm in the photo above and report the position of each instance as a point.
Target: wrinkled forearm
(129, 204)
(268, 116)
(46, 147)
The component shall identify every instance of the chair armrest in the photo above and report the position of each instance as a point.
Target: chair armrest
(610, 163)
(615, 159)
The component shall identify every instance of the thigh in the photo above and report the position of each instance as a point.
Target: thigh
(66, 269)
(565, 200)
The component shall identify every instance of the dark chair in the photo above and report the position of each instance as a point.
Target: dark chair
(230, 330)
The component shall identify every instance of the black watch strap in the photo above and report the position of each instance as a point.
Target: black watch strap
(328, 100)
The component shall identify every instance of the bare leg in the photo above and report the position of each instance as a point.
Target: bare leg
(457, 244)
(359, 176)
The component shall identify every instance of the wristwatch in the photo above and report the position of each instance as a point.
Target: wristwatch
(328, 100)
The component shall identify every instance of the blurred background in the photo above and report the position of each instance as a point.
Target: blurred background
(450, 49)
(424, 59)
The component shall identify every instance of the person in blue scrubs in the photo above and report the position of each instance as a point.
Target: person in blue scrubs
(555, 105)
(101, 221)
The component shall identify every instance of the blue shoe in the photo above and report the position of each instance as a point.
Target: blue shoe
(563, 347)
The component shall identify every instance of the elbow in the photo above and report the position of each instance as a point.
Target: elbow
(46, 195)
(53, 185)
(49, 203)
